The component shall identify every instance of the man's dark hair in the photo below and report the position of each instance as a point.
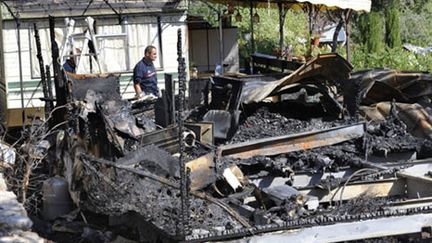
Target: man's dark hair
(148, 49)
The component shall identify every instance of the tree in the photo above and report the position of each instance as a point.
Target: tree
(415, 22)
(375, 33)
(393, 36)
(209, 11)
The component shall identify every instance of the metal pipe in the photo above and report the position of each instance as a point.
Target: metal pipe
(80, 35)
(125, 29)
(159, 24)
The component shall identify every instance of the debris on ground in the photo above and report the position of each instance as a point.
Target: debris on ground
(306, 151)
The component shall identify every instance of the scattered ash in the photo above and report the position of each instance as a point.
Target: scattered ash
(390, 136)
(266, 124)
(362, 204)
(196, 114)
(197, 151)
(382, 138)
(269, 121)
(425, 150)
(160, 205)
(155, 202)
(329, 158)
(152, 159)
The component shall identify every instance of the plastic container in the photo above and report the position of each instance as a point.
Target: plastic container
(56, 198)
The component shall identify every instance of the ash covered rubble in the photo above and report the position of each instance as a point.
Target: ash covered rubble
(293, 163)
(124, 165)
(287, 155)
(305, 161)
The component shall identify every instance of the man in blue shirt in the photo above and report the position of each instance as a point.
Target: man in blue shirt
(69, 65)
(144, 75)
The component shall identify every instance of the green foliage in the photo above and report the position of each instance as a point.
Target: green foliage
(367, 31)
(416, 23)
(360, 30)
(208, 11)
(415, 5)
(393, 36)
(266, 32)
(390, 58)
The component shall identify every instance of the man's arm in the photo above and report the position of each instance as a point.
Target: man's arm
(137, 88)
(138, 76)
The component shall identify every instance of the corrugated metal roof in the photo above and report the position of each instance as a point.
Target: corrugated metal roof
(323, 65)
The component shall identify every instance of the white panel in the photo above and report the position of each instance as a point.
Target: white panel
(199, 49)
(112, 50)
(170, 38)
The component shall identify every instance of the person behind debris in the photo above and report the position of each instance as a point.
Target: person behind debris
(69, 65)
(144, 75)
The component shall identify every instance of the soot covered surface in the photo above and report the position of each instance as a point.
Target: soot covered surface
(283, 118)
(156, 203)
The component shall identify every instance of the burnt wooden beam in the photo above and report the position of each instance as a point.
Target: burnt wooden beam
(59, 83)
(48, 104)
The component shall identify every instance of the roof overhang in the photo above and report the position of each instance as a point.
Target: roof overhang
(29, 9)
(356, 5)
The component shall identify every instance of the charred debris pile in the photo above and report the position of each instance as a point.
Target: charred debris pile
(261, 153)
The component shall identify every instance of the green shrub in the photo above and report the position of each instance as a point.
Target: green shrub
(395, 58)
(393, 36)
(375, 33)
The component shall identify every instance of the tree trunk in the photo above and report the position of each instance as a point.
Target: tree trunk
(336, 34)
(393, 36)
(282, 14)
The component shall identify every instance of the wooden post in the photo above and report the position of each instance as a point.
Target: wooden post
(48, 104)
(170, 93)
(59, 115)
(282, 14)
(49, 84)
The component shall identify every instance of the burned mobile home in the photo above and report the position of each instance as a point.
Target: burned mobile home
(316, 154)
(261, 157)
(266, 157)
